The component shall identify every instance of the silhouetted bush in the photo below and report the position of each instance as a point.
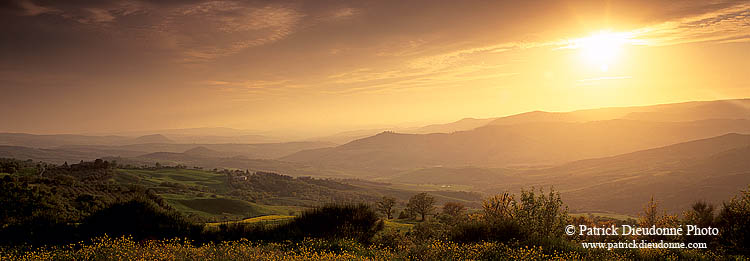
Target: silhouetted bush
(734, 223)
(140, 217)
(38, 230)
(358, 222)
(475, 231)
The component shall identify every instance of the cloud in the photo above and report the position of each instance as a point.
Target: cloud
(215, 29)
(418, 70)
(32, 9)
(725, 25)
(196, 31)
(340, 14)
(96, 16)
(103, 13)
(246, 89)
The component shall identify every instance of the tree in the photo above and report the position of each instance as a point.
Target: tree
(499, 207)
(701, 214)
(453, 209)
(422, 204)
(541, 215)
(734, 222)
(652, 216)
(385, 206)
(650, 213)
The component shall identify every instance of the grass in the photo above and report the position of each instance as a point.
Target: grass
(221, 206)
(267, 219)
(606, 215)
(396, 225)
(208, 205)
(191, 177)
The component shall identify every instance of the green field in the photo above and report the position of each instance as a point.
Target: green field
(203, 193)
(396, 225)
(208, 195)
(190, 177)
(268, 219)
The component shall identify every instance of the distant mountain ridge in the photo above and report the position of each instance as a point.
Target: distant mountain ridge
(672, 112)
(711, 169)
(538, 143)
(153, 138)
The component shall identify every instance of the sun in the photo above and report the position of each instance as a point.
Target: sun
(601, 49)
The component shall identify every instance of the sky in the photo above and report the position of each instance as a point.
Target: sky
(327, 66)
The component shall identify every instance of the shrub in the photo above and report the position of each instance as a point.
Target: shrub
(357, 222)
(480, 230)
(541, 215)
(734, 223)
(140, 217)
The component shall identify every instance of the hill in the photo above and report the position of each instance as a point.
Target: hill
(677, 175)
(460, 125)
(673, 112)
(203, 152)
(59, 156)
(48, 141)
(153, 138)
(255, 151)
(537, 143)
(710, 169)
(474, 177)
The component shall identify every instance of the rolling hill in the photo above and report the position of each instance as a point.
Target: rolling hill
(710, 169)
(673, 112)
(537, 143)
(153, 138)
(256, 151)
(48, 141)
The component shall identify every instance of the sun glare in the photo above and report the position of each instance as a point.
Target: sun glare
(602, 49)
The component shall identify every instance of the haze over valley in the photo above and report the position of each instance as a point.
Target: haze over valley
(644, 150)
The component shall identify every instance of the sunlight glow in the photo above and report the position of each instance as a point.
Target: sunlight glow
(602, 49)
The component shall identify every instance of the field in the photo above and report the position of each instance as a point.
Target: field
(198, 192)
(205, 193)
(223, 207)
(269, 219)
(191, 177)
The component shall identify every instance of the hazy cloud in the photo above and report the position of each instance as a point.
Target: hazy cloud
(724, 25)
(32, 9)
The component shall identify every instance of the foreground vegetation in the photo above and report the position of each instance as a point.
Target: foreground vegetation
(125, 248)
(40, 222)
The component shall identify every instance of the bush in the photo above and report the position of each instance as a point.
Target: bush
(541, 215)
(140, 217)
(477, 230)
(734, 223)
(357, 222)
